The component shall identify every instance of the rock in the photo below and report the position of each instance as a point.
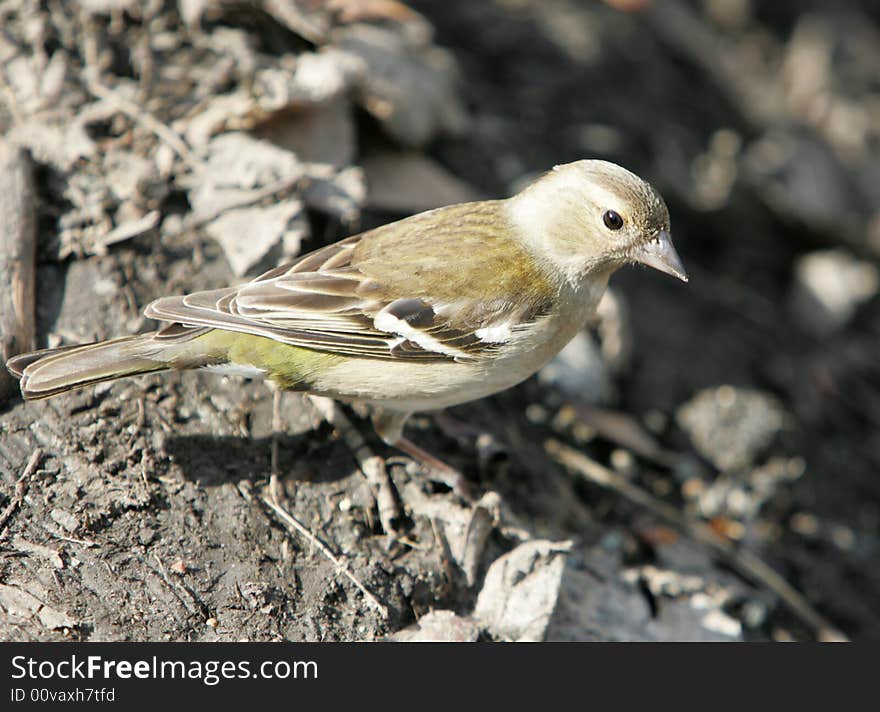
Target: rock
(438, 626)
(337, 193)
(466, 529)
(65, 519)
(731, 427)
(799, 176)
(248, 235)
(322, 133)
(240, 168)
(237, 165)
(520, 591)
(21, 604)
(599, 600)
(595, 603)
(828, 288)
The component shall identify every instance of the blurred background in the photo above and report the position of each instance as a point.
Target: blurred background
(171, 146)
(760, 124)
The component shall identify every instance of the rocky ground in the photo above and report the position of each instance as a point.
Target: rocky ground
(701, 465)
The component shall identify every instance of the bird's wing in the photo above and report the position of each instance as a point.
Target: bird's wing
(395, 292)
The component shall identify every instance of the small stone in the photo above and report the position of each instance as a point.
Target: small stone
(804, 524)
(781, 635)
(146, 536)
(843, 537)
(731, 427)
(719, 622)
(536, 414)
(65, 519)
(693, 487)
(753, 614)
(656, 421)
(829, 286)
(520, 590)
(623, 461)
(410, 182)
(248, 235)
(438, 626)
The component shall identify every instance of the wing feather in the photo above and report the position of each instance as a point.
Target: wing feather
(333, 300)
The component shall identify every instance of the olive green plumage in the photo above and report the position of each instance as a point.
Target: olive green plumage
(289, 367)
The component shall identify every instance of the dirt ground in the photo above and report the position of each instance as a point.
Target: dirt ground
(737, 415)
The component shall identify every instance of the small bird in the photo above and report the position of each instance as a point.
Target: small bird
(428, 312)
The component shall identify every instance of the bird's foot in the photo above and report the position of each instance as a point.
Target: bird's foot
(371, 465)
(438, 469)
(488, 448)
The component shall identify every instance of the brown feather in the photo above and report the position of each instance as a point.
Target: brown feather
(327, 300)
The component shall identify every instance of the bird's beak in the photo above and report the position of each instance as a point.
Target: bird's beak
(660, 254)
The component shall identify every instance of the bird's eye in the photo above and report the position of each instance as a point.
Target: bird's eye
(612, 220)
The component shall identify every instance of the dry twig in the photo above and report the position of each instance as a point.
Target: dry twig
(371, 465)
(142, 116)
(17, 248)
(293, 524)
(21, 488)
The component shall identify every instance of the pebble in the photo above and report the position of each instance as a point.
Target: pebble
(829, 285)
(843, 537)
(65, 519)
(623, 461)
(753, 614)
(804, 524)
(719, 622)
(536, 414)
(730, 426)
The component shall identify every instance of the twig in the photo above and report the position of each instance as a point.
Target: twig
(21, 488)
(744, 561)
(371, 465)
(277, 189)
(140, 115)
(292, 523)
(623, 430)
(128, 230)
(18, 236)
(88, 543)
(280, 187)
(175, 587)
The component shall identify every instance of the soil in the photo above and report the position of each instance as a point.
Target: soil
(145, 518)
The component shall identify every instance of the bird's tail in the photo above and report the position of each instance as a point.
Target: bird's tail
(52, 371)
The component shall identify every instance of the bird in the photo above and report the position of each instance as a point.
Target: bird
(431, 311)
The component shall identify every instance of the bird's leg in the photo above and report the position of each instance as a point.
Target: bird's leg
(277, 425)
(370, 464)
(467, 435)
(389, 427)
(439, 470)
(456, 429)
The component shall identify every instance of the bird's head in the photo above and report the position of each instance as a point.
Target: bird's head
(591, 217)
